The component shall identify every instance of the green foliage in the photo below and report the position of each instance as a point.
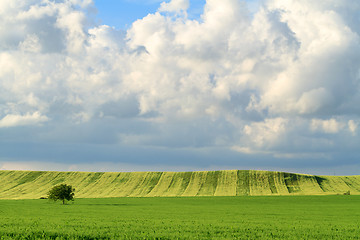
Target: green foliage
(271, 217)
(62, 192)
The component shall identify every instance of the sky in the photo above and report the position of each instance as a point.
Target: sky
(180, 85)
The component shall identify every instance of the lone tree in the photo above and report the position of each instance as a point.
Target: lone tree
(62, 192)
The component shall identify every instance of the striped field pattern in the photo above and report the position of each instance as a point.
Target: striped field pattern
(36, 184)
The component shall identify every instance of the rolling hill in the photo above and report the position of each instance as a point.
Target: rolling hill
(36, 184)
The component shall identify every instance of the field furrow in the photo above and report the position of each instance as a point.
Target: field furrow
(36, 184)
(226, 183)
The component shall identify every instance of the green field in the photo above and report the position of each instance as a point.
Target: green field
(246, 217)
(36, 184)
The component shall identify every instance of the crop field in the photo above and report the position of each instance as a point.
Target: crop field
(36, 184)
(245, 217)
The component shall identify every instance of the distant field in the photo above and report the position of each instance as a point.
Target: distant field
(32, 184)
(260, 217)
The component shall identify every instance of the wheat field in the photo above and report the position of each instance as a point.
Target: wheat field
(36, 184)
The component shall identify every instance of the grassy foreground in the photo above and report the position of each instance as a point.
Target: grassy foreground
(36, 184)
(261, 217)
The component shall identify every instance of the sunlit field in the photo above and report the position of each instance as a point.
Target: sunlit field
(36, 184)
(245, 217)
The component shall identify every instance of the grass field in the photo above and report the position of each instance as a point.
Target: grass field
(35, 184)
(260, 217)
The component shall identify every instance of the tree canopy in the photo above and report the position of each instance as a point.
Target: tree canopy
(62, 192)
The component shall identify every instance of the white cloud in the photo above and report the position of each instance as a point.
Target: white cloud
(267, 133)
(327, 126)
(352, 126)
(12, 120)
(30, 44)
(281, 80)
(174, 6)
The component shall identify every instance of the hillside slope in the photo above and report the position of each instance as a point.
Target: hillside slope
(36, 184)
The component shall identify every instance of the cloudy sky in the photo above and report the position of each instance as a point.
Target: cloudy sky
(137, 85)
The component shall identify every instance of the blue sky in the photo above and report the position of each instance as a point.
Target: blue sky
(121, 14)
(180, 85)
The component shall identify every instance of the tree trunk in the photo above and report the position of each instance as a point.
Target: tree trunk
(63, 201)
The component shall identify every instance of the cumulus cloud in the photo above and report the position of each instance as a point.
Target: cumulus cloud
(328, 126)
(174, 6)
(283, 80)
(352, 126)
(12, 120)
